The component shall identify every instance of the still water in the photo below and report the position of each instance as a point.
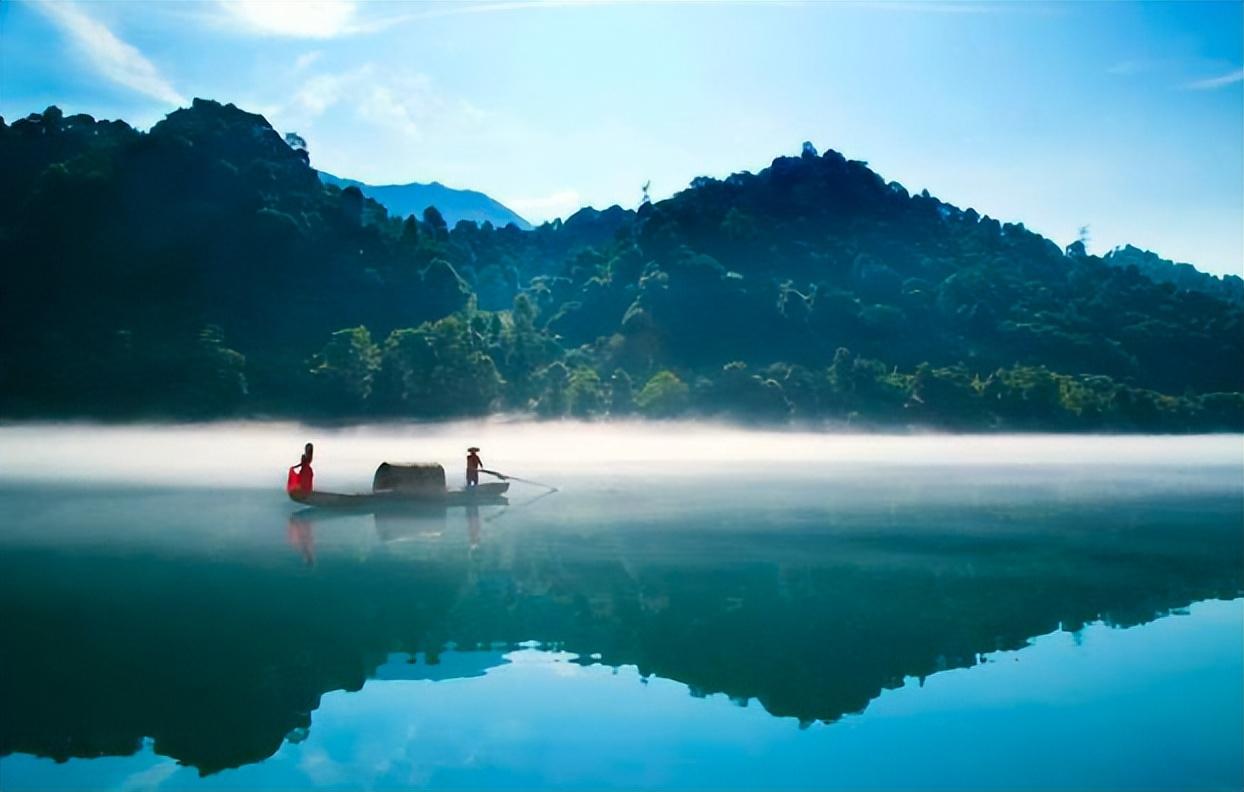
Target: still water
(696, 607)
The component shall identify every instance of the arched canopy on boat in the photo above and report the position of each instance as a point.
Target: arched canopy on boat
(423, 478)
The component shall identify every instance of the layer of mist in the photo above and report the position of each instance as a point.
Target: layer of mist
(256, 455)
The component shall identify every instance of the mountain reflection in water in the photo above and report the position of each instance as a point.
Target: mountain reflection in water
(213, 622)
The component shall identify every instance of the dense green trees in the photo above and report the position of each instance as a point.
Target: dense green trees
(344, 369)
(203, 269)
(438, 369)
(664, 396)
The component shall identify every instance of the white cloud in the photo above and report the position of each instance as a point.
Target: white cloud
(319, 19)
(326, 19)
(413, 130)
(402, 103)
(459, 9)
(931, 7)
(306, 59)
(1221, 81)
(150, 778)
(380, 106)
(116, 60)
(323, 91)
(560, 203)
(322, 769)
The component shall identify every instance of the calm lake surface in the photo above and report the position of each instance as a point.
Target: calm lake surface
(697, 607)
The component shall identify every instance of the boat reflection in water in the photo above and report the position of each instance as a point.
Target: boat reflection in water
(166, 616)
(391, 525)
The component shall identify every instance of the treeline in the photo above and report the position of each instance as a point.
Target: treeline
(1182, 276)
(201, 269)
(454, 367)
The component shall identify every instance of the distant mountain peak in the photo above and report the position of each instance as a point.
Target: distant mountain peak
(454, 204)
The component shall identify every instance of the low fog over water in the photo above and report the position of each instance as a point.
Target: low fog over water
(256, 455)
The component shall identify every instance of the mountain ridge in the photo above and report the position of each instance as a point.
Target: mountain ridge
(211, 273)
(1188, 276)
(454, 204)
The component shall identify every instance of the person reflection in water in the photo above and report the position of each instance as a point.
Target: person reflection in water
(473, 525)
(305, 473)
(474, 463)
(298, 532)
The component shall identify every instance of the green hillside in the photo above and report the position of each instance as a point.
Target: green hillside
(201, 269)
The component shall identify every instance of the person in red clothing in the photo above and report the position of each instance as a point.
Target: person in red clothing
(305, 473)
(473, 465)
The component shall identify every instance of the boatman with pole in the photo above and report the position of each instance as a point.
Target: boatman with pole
(473, 465)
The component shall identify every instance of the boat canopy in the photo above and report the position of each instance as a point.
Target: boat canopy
(415, 478)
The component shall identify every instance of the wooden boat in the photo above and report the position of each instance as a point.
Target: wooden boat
(399, 500)
(403, 487)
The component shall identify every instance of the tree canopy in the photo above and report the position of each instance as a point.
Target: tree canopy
(203, 269)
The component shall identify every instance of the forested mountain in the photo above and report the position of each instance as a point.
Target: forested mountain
(401, 200)
(1184, 276)
(202, 269)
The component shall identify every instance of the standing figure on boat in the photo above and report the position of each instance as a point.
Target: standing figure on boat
(303, 479)
(473, 465)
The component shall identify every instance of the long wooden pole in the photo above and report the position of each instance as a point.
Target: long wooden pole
(506, 477)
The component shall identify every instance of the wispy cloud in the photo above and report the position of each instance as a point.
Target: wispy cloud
(322, 91)
(383, 107)
(405, 103)
(316, 19)
(462, 8)
(956, 7)
(306, 59)
(329, 19)
(149, 779)
(115, 59)
(1221, 81)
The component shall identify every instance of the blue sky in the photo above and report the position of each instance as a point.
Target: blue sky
(1126, 118)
